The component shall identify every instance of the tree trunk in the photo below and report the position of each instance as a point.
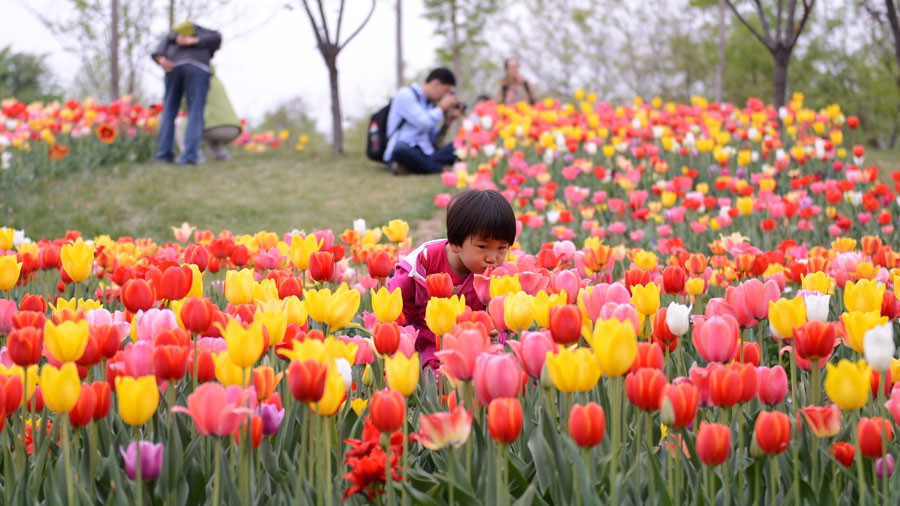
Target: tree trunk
(782, 56)
(399, 44)
(454, 27)
(895, 26)
(114, 51)
(720, 65)
(171, 14)
(337, 128)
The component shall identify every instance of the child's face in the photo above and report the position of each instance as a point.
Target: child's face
(477, 253)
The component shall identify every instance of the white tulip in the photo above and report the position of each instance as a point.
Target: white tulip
(817, 306)
(878, 346)
(343, 367)
(678, 318)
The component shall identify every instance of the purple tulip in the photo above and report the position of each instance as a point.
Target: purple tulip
(151, 459)
(271, 418)
(879, 466)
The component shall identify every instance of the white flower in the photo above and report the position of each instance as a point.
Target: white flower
(548, 156)
(5, 160)
(490, 149)
(461, 152)
(468, 125)
(552, 216)
(4, 141)
(878, 346)
(19, 238)
(678, 318)
(780, 154)
(359, 225)
(658, 131)
(817, 306)
(486, 122)
(343, 367)
(590, 148)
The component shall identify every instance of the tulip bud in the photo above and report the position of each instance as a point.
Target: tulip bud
(678, 318)
(388, 410)
(368, 377)
(884, 466)
(505, 419)
(878, 346)
(587, 424)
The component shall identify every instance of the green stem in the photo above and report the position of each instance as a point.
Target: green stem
(795, 448)
(650, 492)
(452, 462)
(860, 481)
(404, 498)
(615, 401)
(328, 474)
(217, 474)
(70, 488)
(739, 458)
(775, 479)
(387, 470)
(505, 451)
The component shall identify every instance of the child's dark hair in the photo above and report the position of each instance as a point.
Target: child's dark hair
(485, 214)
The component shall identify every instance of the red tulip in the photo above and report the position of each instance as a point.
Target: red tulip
(176, 282)
(198, 255)
(11, 387)
(290, 286)
(505, 419)
(91, 355)
(636, 276)
(870, 432)
(83, 412)
(678, 405)
(264, 381)
(388, 410)
(197, 314)
(751, 353)
(772, 432)
(24, 319)
(108, 340)
(256, 431)
(875, 380)
(478, 317)
(138, 295)
(239, 255)
(713, 443)
(648, 355)
(221, 247)
(674, 277)
(587, 424)
(725, 385)
(25, 346)
(439, 285)
(173, 337)
(748, 380)
(36, 403)
(565, 324)
(387, 338)
(31, 302)
(843, 453)
(823, 421)
(321, 266)
(644, 388)
(170, 362)
(102, 394)
(206, 365)
(380, 264)
(307, 380)
(662, 335)
(814, 340)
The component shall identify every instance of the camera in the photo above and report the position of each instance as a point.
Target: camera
(462, 106)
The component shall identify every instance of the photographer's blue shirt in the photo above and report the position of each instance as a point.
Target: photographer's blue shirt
(421, 116)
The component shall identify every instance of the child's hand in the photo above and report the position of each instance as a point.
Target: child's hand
(494, 334)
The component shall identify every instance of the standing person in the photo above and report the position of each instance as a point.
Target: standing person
(184, 54)
(513, 87)
(412, 124)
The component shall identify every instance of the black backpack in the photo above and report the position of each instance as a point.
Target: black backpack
(377, 136)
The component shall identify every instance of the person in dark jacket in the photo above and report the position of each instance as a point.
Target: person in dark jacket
(184, 54)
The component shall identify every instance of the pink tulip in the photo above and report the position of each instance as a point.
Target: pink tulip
(772, 384)
(7, 310)
(596, 297)
(482, 284)
(408, 335)
(364, 352)
(369, 320)
(718, 306)
(495, 310)
(212, 412)
(102, 316)
(566, 280)
(756, 296)
(138, 359)
(153, 321)
(700, 379)
(716, 337)
(533, 282)
(496, 375)
(459, 349)
(532, 351)
(621, 312)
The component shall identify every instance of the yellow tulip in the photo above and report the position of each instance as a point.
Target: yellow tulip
(77, 260)
(358, 405)
(505, 285)
(645, 298)
(864, 295)
(196, 282)
(573, 371)
(441, 313)
(843, 244)
(33, 377)
(67, 340)
(402, 373)
(275, 323)
(542, 304)
(744, 205)
(694, 286)
(518, 311)
(10, 269)
(646, 260)
(387, 305)
(897, 287)
(227, 373)
(7, 236)
(295, 310)
(335, 310)
(858, 323)
(245, 346)
(302, 248)
(615, 346)
(239, 286)
(848, 384)
(264, 291)
(396, 230)
(819, 282)
(326, 351)
(333, 396)
(60, 387)
(785, 314)
(138, 398)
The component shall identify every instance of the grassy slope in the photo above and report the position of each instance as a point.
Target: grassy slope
(275, 191)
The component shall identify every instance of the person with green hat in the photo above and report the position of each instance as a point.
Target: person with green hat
(220, 123)
(184, 54)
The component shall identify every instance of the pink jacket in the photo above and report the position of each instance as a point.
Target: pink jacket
(409, 275)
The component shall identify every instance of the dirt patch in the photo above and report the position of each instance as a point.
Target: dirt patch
(431, 228)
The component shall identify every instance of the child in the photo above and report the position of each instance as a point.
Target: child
(481, 226)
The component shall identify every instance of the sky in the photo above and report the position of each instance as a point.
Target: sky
(269, 53)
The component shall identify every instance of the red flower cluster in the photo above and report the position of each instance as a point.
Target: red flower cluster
(367, 461)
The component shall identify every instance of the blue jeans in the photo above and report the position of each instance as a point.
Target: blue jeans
(192, 82)
(416, 161)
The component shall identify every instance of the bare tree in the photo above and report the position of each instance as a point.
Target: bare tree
(781, 40)
(720, 64)
(399, 44)
(330, 48)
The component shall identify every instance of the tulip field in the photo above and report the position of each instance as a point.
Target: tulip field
(699, 309)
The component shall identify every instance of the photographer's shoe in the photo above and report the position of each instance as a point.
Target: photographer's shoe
(398, 170)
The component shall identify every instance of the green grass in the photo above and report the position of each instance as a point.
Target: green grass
(276, 191)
